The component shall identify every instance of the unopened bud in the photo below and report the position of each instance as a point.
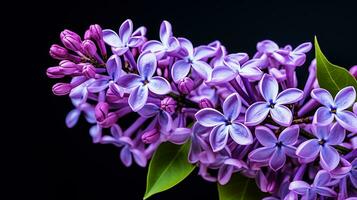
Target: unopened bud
(58, 52)
(150, 136)
(67, 32)
(205, 103)
(101, 111)
(89, 48)
(185, 85)
(111, 119)
(61, 89)
(88, 70)
(353, 71)
(54, 72)
(94, 32)
(68, 67)
(168, 104)
(71, 40)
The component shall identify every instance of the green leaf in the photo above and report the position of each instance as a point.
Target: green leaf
(331, 77)
(239, 188)
(168, 167)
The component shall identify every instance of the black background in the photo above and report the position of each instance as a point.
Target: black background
(49, 161)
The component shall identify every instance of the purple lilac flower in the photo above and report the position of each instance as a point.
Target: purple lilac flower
(168, 44)
(275, 150)
(319, 186)
(225, 124)
(144, 82)
(326, 138)
(128, 151)
(273, 103)
(125, 39)
(294, 57)
(73, 116)
(336, 108)
(163, 117)
(353, 173)
(192, 58)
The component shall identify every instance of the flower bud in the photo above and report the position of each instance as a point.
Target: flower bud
(68, 67)
(205, 103)
(67, 32)
(71, 42)
(150, 136)
(54, 72)
(168, 104)
(185, 85)
(94, 32)
(353, 71)
(101, 111)
(111, 95)
(58, 52)
(111, 119)
(61, 89)
(88, 70)
(89, 48)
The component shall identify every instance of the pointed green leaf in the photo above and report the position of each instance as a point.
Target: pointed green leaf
(239, 188)
(331, 77)
(168, 167)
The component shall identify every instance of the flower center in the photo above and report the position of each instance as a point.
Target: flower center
(322, 142)
(271, 104)
(333, 110)
(228, 122)
(279, 144)
(146, 81)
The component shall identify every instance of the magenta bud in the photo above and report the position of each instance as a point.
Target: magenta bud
(68, 67)
(71, 43)
(111, 119)
(150, 136)
(168, 104)
(89, 48)
(67, 32)
(353, 71)
(94, 32)
(58, 52)
(54, 72)
(61, 89)
(205, 103)
(88, 70)
(185, 85)
(101, 111)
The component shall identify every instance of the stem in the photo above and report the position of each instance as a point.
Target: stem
(249, 88)
(304, 120)
(240, 91)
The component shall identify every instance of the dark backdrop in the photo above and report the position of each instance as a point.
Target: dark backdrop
(49, 161)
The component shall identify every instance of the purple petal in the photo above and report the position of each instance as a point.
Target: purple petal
(130, 81)
(236, 163)
(232, 106)
(165, 31)
(337, 135)
(303, 48)
(323, 116)
(240, 57)
(203, 52)
(309, 195)
(224, 174)
(289, 96)
(149, 110)
(72, 118)
(138, 98)
(180, 135)
(329, 157)
(153, 46)
(251, 71)
(218, 137)
(262, 154)
(180, 69)
(290, 150)
(289, 135)
(267, 46)
(300, 187)
(98, 85)
(125, 31)
(222, 74)
(114, 67)
(125, 156)
(345, 98)
(308, 149)
(269, 87)
(139, 157)
(209, 117)
(159, 85)
(203, 69)
(278, 159)
(281, 115)
(120, 50)
(111, 38)
(165, 121)
(136, 41)
(325, 191)
(96, 133)
(186, 45)
(173, 45)
(256, 113)
(116, 131)
(240, 134)
(147, 64)
(322, 178)
(265, 136)
(347, 120)
(323, 97)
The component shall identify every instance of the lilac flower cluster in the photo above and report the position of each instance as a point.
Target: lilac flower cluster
(240, 114)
